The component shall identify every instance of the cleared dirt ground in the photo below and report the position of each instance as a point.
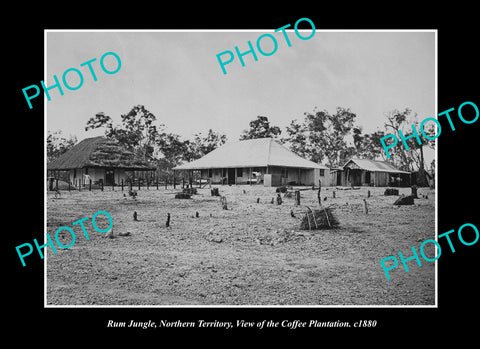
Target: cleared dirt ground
(251, 254)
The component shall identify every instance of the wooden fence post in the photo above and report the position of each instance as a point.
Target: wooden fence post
(90, 185)
(157, 182)
(166, 181)
(122, 184)
(101, 187)
(366, 206)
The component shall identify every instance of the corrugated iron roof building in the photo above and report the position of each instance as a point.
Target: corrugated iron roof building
(257, 160)
(358, 172)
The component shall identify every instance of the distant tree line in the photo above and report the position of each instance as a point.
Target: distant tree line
(333, 138)
(321, 136)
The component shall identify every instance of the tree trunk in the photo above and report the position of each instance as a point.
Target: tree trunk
(423, 178)
(319, 192)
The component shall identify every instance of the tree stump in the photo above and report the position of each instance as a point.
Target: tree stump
(223, 200)
(167, 223)
(297, 197)
(319, 191)
(414, 191)
(279, 199)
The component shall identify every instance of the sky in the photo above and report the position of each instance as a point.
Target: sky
(177, 77)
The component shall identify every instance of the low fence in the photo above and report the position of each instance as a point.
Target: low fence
(53, 185)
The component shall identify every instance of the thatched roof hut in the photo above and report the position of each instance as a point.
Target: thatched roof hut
(98, 159)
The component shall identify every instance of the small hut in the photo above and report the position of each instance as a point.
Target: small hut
(359, 172)
(99, 159)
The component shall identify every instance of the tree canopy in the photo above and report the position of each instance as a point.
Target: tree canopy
(57, 145)
(412, 158)
(260, 128)
(140, 133)
(323, 136)
(137, 131)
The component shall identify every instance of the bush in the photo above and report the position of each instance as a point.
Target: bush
(405, 200)
(390, 191)
(182, 196)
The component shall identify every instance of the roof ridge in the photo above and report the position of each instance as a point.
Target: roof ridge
(255, 152)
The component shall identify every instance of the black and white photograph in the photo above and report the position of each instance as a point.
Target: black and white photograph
(221, 172)
(267, 185)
